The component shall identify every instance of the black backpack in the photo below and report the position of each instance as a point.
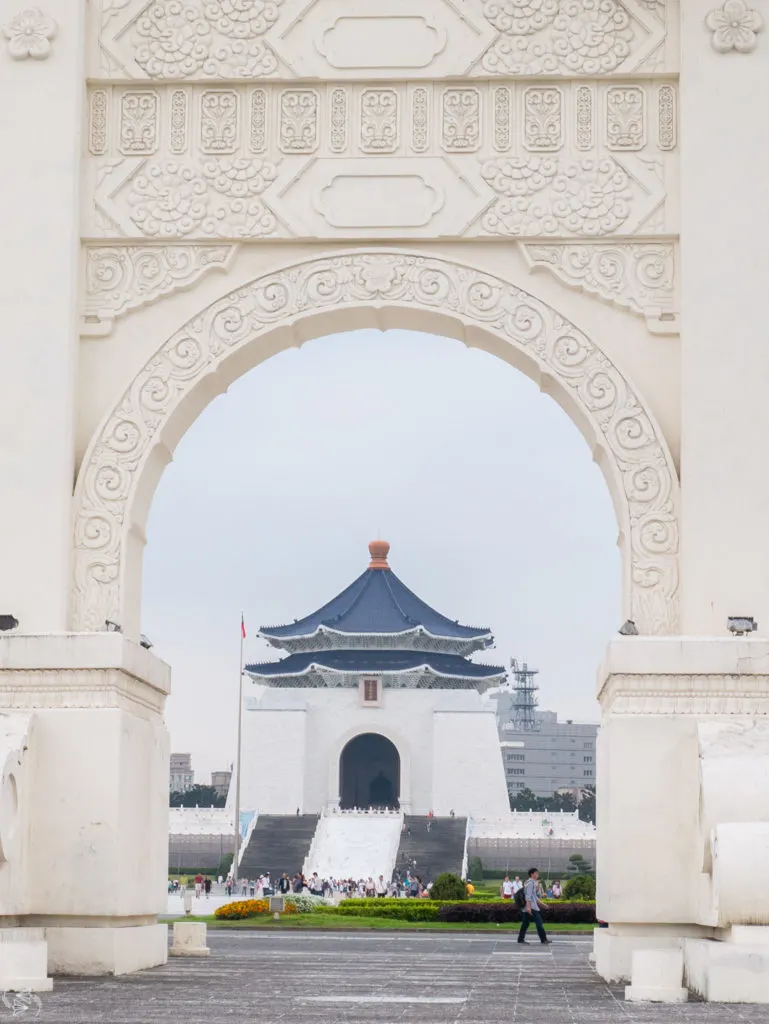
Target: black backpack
(520, 898)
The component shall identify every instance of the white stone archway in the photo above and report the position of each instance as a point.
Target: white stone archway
(605, 143)
(323, 294)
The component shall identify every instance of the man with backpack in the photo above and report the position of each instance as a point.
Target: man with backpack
(526, 899)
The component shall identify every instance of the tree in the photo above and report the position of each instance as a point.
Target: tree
(587, 805)
(526, 800)
(578, 865)
(197, 796)
(581, 887)
(475, 869)
(448, 887)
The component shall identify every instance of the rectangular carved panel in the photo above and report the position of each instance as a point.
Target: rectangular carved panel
(581, 158)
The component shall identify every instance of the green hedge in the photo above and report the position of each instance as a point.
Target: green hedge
(395, 909)
(496, 911)
(506, 911)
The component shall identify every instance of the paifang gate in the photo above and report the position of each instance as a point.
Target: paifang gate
(571, 185)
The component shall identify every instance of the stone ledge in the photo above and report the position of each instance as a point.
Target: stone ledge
(685, 655)
(82, 661)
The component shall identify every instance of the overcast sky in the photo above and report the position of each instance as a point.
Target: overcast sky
(486, 491)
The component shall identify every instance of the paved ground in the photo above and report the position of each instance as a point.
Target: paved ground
(321, 978)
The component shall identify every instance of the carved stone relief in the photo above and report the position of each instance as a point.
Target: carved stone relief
(121, 278)
(645, 485)
(566, 158)
(734, 26)
(28, 35)
(639, 276)
(394, 39)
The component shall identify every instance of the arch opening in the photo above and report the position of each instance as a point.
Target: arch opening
(369, 772)
(324, 295)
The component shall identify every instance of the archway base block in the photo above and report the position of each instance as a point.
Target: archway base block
(84, 828)
(683, 808)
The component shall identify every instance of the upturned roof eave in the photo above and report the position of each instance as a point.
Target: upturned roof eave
(269, 633)
(497, 673)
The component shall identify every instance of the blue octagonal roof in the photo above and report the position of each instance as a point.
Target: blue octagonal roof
(378, 602)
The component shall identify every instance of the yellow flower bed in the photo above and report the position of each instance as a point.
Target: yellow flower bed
(248, 908)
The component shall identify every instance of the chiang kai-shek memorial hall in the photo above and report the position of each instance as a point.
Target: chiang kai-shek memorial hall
(376, 704)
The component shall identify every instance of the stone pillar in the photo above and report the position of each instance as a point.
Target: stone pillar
(724, 353)
(89, 752)
(42, 84)
(683, 755)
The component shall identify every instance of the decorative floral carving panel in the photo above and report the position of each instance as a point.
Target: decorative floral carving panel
(562, 158)
(318, 39)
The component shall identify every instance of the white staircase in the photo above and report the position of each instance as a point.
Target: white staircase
(355, 844)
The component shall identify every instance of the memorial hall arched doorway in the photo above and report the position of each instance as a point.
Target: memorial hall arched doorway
(369, 772)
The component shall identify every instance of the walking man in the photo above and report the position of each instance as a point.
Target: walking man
(532, 910)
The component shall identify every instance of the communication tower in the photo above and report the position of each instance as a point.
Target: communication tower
(524, 697)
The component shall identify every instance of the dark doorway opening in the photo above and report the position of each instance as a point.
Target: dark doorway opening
(369, 773)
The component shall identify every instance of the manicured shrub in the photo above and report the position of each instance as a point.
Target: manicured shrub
(506, 911)
(581, 887)
(448, 887)
(306, 903)
(395, 909)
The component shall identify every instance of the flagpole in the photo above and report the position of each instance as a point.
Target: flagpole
(237, 760)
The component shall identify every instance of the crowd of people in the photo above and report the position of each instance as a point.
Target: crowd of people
(410, 885)
(510, 887)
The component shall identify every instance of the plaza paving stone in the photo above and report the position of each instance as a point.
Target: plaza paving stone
(324, 978)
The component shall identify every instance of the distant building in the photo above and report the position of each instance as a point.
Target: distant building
(182, 775)
(539, 752)
(221, 783)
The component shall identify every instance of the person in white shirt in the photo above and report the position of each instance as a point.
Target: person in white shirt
(381, 886)
(507, 890)
(517, 884)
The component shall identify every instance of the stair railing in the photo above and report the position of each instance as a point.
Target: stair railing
(309, 859)
(247, 838)
(467, 840)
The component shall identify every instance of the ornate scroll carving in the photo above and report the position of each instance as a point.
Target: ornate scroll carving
(567, 37)
(219, 121)
(119, 278)
(177, 135)
(666, 99)
(542, 196)
(173, 199)
(638, 276)
(298, 121)
(543, 119)
(584, 134)
(337, 136)
(502, 110)
(639, 467)
(625, 119)
(461, 120)
(257, 141)
(199, 39)
(138, 123)
(99, 103)
(378, 121)
(420, 124)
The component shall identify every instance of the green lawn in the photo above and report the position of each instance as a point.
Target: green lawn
(339, 923)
